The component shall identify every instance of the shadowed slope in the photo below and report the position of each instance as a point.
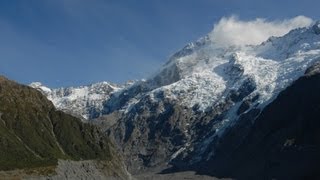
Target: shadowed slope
(33, 133)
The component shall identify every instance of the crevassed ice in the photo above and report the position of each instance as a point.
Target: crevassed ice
(273, 66)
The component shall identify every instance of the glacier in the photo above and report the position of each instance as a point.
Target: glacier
(84, 101)
(208, 87)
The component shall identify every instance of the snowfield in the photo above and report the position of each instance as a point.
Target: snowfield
(208, 73)
(203, 74)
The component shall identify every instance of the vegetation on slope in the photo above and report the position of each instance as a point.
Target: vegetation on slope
(34, 134)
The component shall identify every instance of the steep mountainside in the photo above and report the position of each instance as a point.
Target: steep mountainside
(282, 143)
(178, 114)
(200, 107)
(34, 134)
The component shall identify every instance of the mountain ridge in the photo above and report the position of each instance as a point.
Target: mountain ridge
(180, 115)
(84, 101)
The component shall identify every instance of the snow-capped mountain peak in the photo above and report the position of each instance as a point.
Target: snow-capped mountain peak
(181, 112)
(84, 101)
(204, 89)
(38, 85)
(203, 74)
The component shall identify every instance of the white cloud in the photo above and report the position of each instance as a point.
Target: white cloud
(232, 31)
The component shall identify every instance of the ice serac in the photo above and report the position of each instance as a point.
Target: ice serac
(177, 115)
(84, 101)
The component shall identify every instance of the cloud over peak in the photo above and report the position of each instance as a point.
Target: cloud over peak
(233, 31)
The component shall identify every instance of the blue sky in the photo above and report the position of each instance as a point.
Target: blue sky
(78, 42)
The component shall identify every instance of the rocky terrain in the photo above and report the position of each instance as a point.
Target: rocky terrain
(176, 176)
(180, 115)
(209, 109)
(281, 143)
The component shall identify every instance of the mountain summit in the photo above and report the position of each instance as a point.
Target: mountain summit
(208, 100)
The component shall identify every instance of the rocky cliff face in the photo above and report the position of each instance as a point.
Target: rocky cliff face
(177, 115)
(205, 102)
(283, 142)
